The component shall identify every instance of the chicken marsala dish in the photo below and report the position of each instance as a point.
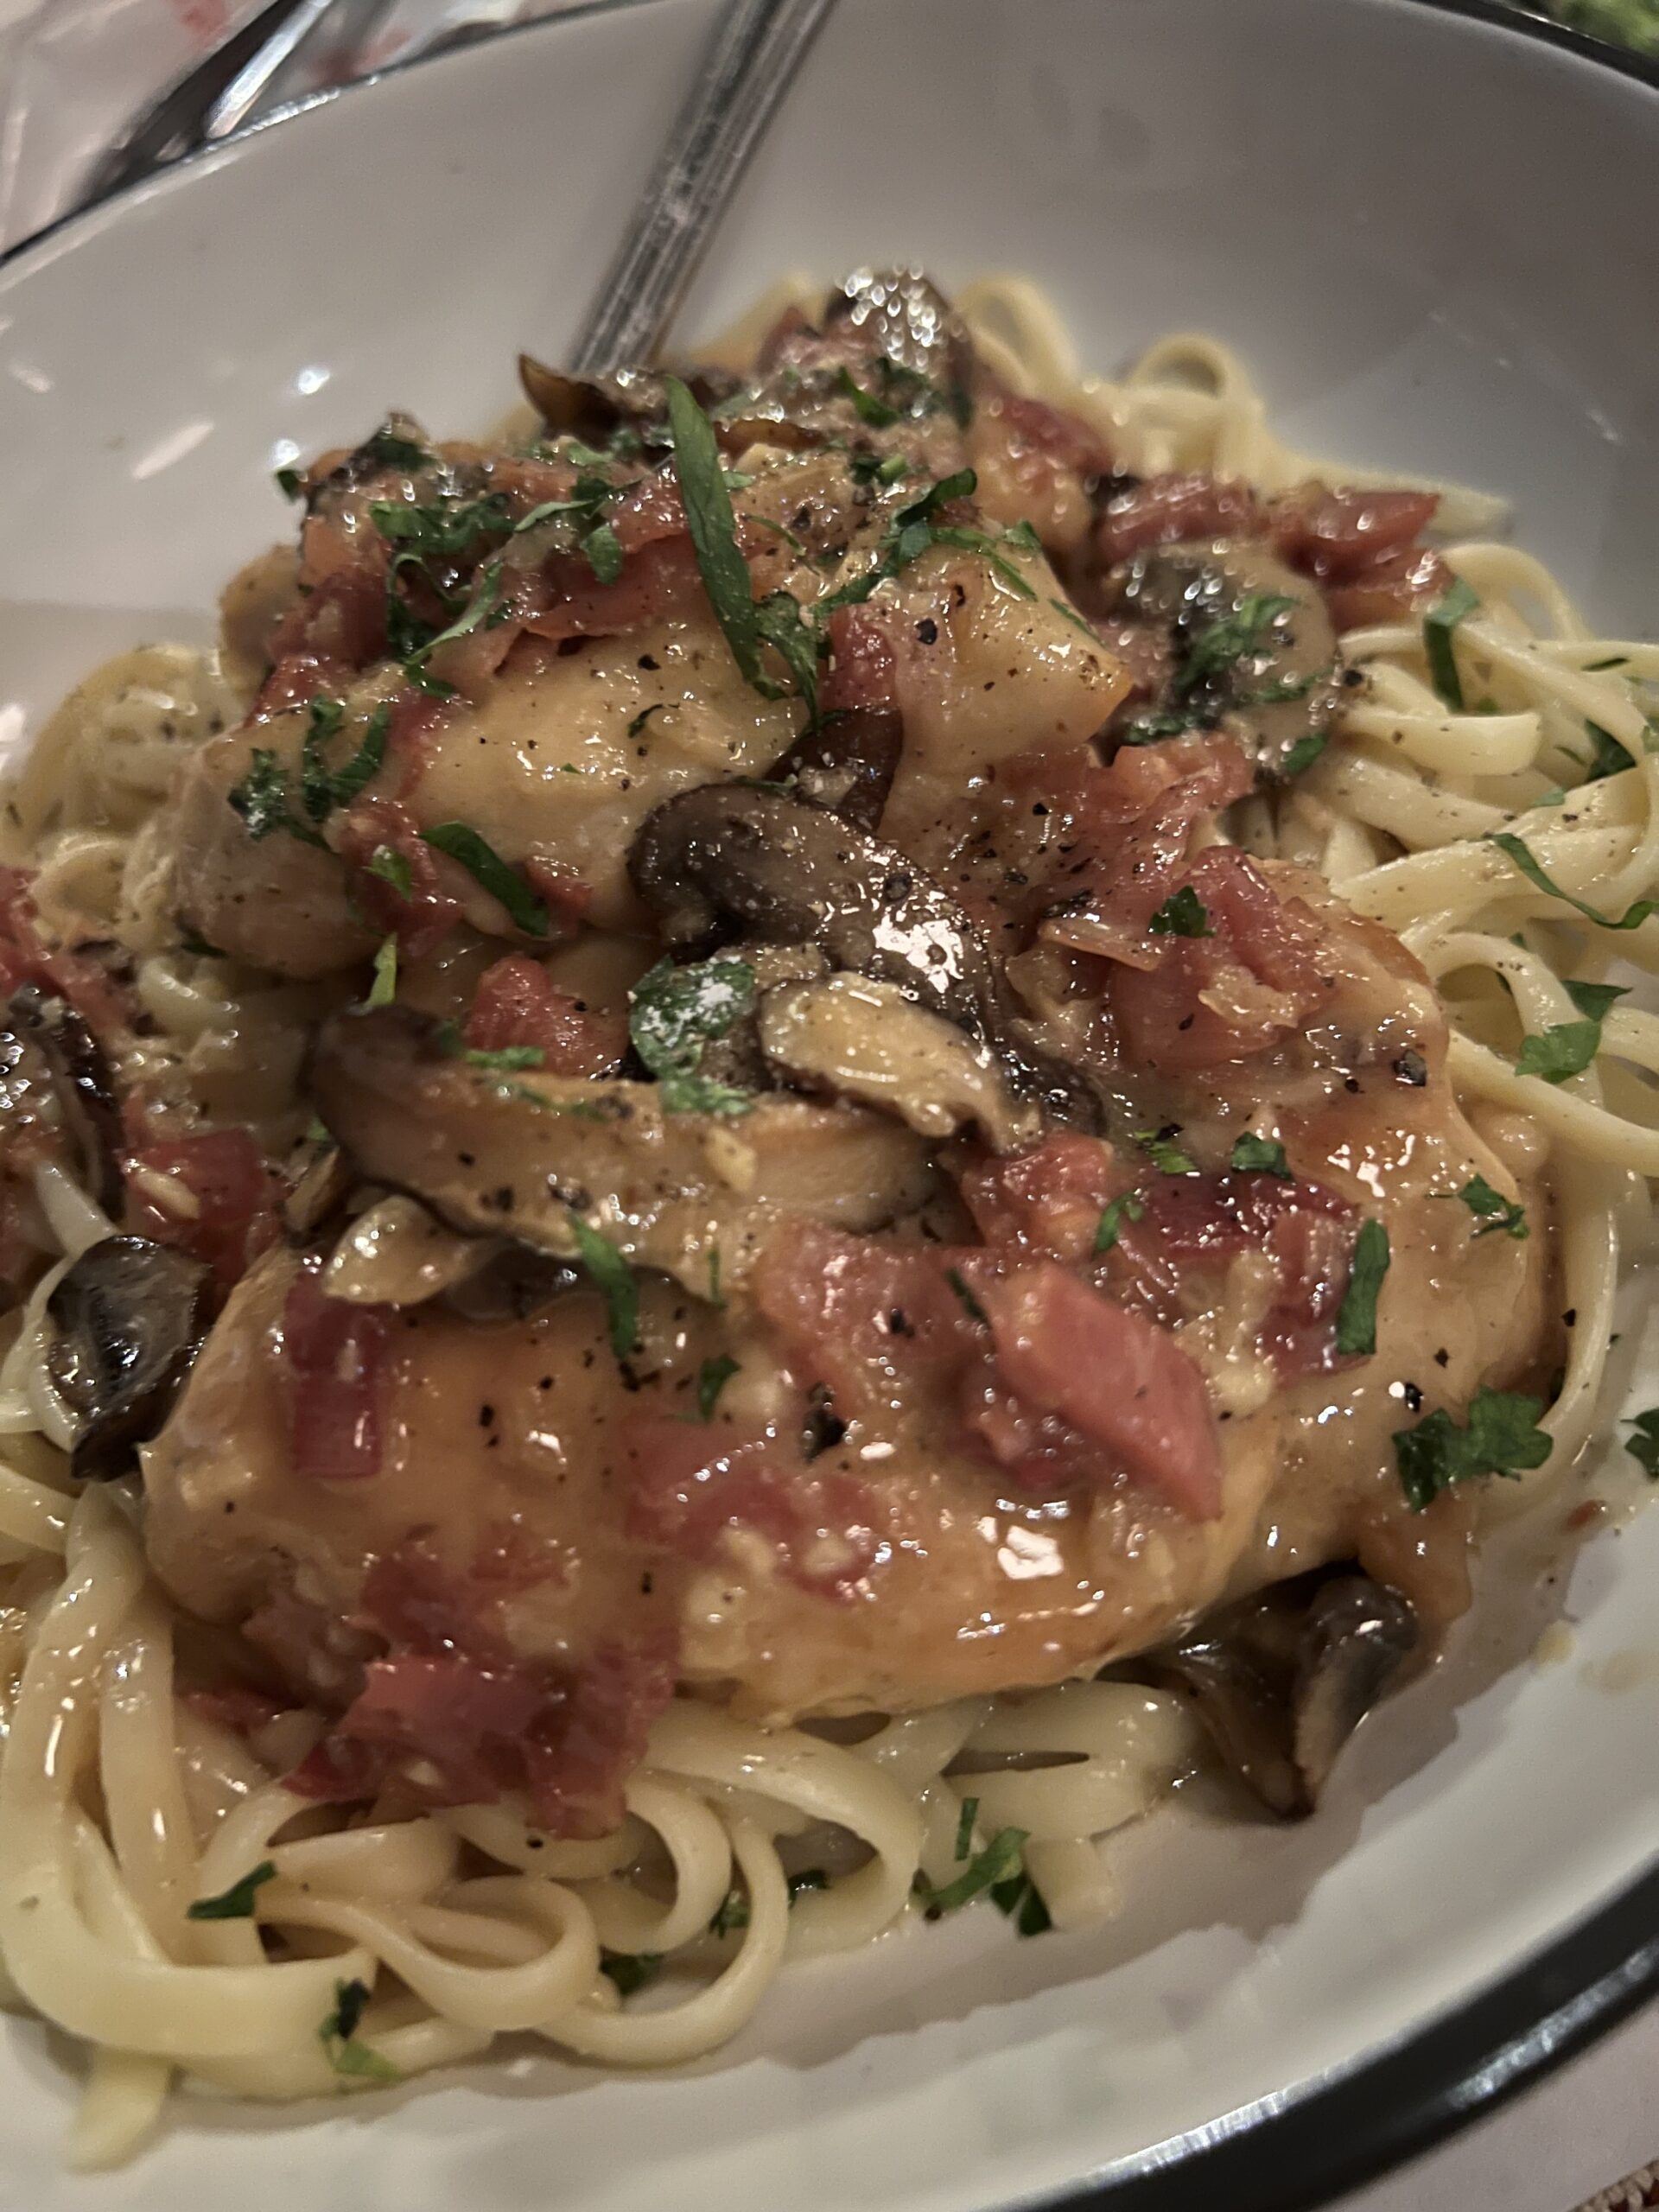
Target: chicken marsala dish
(709, 1207)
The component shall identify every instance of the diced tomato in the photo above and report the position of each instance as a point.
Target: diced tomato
(235, 1707)
(423, 917)
(567, 896)
(869, 1318)
(690, 1484)
(1168, 509)
(1112, 1375)
(517, 1003)
(234, 1193)
(862, 668)
(333, 1362)
(1049, 1199)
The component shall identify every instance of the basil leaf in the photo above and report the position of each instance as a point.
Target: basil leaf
(632, 1970)
(262, 799)
(673, 1014)
(994, 1864)
(1112, 1218)
(1182, 914)
(1594, 1001)
(603, 549)
(713, 526)
(1166, 1155)
(393, 450)
(712, 1377)
(965, 1828)
(441, 530)
(508, 1058)
(1562, 1051)
(290, 482)
(391, 867)
(1074, 619)
(1519, 855)
(731, 1914)
(975, 1310)
(482, 612)
(1357, 1317)
(525, 909)
(1502, 1438)
(321, 788)
(337, 2033)
(1019, 1900)
(1644, 1446)
(1255, 1155)
(1493, 1210)
(644, 717)
(384, 989)
(1227, 640)
(1610, 758)
(866, 405)
(1438, 626)
(1302, 755)
(1147, 729)
(615, 1278)
(237, 1902)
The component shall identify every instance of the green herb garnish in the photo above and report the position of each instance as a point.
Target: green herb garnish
(237, 1902)
(630, 1970)
(1357, 1317)
(1302, 755)
(1255, 1155)
(1224, 642)
(384, 989)
(337, 2036)
(712, 1377)
(866, 405)
(393, 450)
(1644, 1446)
(391, 867)
(526, 909)
(1182, 914)
(965, 1828)
(1019, 1900)
(998, 1860)
(507, 1059)
(673, 1014)
(975, 1312)
(1165, 1154)
(1439, 625)
(616, 1279)
(262, 800)
(1514, 851)
(1112, 1218)
(290, 482)
(1493, 1211)
(1502, 1438)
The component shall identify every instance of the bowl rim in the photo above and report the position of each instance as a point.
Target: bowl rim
(1285, 2153)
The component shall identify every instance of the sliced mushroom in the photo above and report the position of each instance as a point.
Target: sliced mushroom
(1284, 690)
(903, 317)
(130, 1317)
(321, 1189)
(395, 1253)
(847, 766)
(594, 408)
(1281, 1681)
(775, 867)
(856, 1039)
(513, 1283)
(81, 1082)
(531, 1157)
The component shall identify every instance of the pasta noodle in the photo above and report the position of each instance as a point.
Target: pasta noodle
(381, 1946)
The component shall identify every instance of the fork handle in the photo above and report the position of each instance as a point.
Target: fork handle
(750, 64)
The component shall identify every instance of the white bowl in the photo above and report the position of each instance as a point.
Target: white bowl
(1434, 239)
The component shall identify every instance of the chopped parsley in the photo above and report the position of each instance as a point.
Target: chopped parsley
(1019, 1900)
(715, 1298)
(1357, 1317)
(644, 717)
(630, 1970)
(1644, 1446)
(1560, 1052)
(1502, 1438)
(1305, 751)
(1255, 1155)
(870, 469)
(445, 530)
(965, 1828)
(1492, 1211)
(733, 1912)
(322, 788)
(673, 1014)
(602, 549)
(1440, 627)
(237, 1902)
(1112, 1218)
(1163, 1153)
(290, 482)
(1223, 643)
(337, 2036)
(1514, 851)
(1609, 757)
(507, 1059)
(384, 989)
(1001, 1858)
(1182, 914)
(866, 405)
(526, 909)
(482, 612)
(1595, 1001)
(393, 450)
(974, 1310)
(616, 1279)
(392, 866)
(264, 801)
(712, 1377)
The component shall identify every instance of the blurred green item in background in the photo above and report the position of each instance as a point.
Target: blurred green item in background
(1628, 22)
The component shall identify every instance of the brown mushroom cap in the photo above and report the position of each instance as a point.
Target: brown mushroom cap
(81, 1083)
(131, 1317)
